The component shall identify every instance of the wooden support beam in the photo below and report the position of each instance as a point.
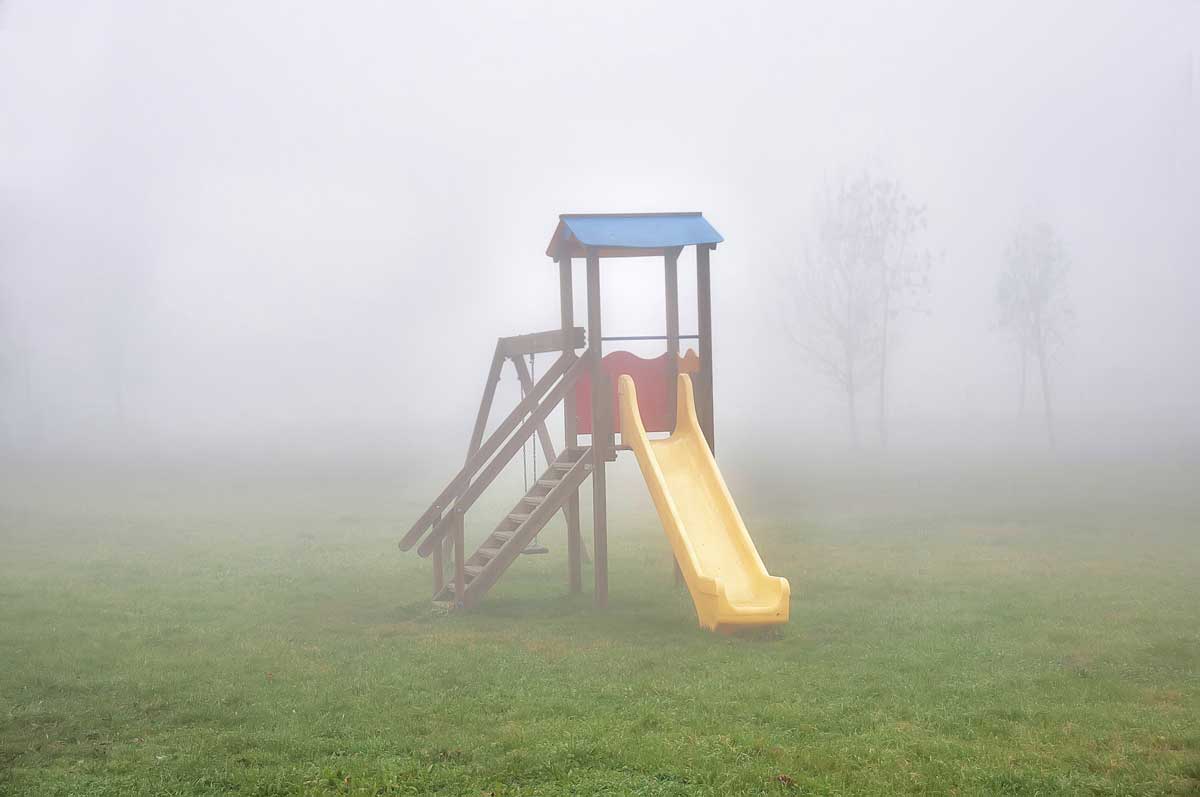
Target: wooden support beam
(542, 432)
(497, 463)
(600, 434)
(538, 518)
(566, 310)
(460, 481)
(539, 342)
(704, 314)
(671, 274)
(485, 405)
(460, 558)
(439, 571)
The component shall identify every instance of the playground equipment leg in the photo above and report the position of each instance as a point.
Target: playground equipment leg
(566, 307)
(439, 570)
(460, 559)
(671, 283)
(600, 434)
(599, 529)
(704, 321)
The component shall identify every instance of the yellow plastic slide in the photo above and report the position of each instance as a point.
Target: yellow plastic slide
(728, 581)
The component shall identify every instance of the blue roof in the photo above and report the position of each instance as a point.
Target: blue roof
(628, 234)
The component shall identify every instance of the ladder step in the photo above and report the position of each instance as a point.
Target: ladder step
(512, 524)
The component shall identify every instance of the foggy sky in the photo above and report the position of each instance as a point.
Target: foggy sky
(269, 223)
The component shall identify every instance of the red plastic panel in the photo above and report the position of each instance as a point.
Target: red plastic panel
(652, 380)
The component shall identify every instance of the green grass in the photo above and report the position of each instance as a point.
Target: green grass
(980, 633)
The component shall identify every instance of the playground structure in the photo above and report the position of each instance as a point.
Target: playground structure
(714, 553)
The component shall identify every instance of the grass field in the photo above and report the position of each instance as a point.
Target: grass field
(981, 632)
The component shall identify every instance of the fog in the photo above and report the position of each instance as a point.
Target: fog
(297, 229)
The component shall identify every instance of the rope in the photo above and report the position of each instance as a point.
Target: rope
(533, 378)
(534, 439)
(524, 461)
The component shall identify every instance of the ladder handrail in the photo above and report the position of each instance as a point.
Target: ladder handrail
(537, 520)
(468, 496)
(485, 451)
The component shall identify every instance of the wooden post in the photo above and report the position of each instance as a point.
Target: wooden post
(671, 273)
(460, 559)
(566, 307)
(704, 313)
(485, 405)
(600, 433)
(439, 570)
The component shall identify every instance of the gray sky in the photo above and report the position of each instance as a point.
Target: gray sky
(258, 222)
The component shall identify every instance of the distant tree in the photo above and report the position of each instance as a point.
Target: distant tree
(894, 228)
(863, 269)
(1031, 295)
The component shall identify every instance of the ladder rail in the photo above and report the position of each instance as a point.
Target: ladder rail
(481, 456)
(464, 500)
(499, 550)
(540, 516)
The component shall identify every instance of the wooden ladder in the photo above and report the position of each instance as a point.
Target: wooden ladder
(518, 528)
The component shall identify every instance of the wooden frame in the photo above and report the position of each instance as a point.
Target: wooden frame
(541, 342)
(486, 476)
(601, 442)
(463, 477)
(566, 309)
(460, 557)
(514, 348)
(671, 280)
(548, 445)
(527, 385)
(440, 531)
(704, 322)
(439, 569)
(537, 520)
(485, 405)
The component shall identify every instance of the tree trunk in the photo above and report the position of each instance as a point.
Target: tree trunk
(883, 368)
(852, 413)
(1024, 371)
(1044, 369)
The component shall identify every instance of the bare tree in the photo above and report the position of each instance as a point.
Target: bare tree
(1032, 297)
(858, 276)
(894, 225)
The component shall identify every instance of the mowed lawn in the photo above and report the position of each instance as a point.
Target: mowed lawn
(985, 632)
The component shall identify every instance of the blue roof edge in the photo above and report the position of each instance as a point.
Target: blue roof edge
(631, 231)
